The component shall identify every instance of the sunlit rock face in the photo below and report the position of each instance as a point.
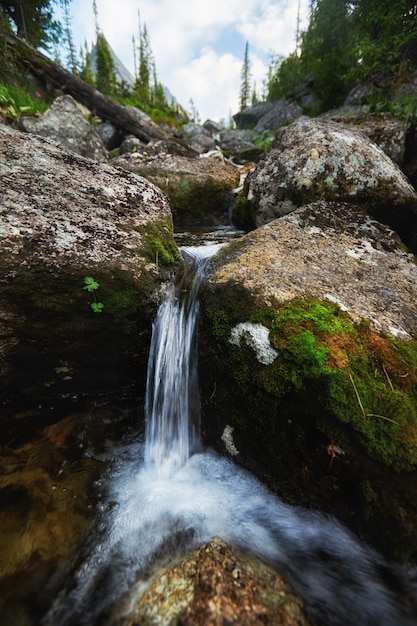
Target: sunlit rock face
(63, 219)
(330, 420)
(315, 159)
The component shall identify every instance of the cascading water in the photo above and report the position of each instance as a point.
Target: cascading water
(168, 495)
(172, 400)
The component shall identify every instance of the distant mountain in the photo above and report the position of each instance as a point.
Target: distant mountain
(122, 73)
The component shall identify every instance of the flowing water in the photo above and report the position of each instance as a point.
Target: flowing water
(166, 495)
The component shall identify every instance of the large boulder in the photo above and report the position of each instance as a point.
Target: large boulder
(214, 585)
(65, 219)
(66, 123)
(198, 138)
(321, 159)
(268, 115)
(383, 129)
(309, 357)
(238, 145)
(200, 189)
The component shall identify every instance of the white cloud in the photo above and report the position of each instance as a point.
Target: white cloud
(198, 46)
(212, 82)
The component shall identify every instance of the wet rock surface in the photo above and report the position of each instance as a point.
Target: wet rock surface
(49, 493)
(217, 586)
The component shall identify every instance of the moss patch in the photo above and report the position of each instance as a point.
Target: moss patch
(354, 377)
(242, 215)
(160, 247)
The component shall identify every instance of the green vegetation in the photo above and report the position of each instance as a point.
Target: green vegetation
(348, 43)
(245, 80)
(160, 247)
(15, 102)
(91, 286)
(403, 106)
(345, 375)
(32, 20)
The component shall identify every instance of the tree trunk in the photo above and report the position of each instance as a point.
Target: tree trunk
(98, 103)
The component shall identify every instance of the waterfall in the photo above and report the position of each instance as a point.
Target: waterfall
(172, 406)
(167, 496)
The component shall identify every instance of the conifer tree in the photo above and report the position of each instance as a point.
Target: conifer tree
(86, 70)
(245, 92)
(72, 55)
(106, 80)
(33, 20)
(143, 86)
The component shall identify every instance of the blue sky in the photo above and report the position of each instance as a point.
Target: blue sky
(198, 45)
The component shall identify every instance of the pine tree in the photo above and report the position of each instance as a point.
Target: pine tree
(72, 55)
(32, 20)
(106, 81)
(245, 80)
(159, 100)
(254, 97)
(86, 70)
(95, 13)
(143, 84)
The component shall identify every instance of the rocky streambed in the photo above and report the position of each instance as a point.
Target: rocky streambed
(307, 366)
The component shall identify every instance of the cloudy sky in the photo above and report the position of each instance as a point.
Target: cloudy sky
(198, 45)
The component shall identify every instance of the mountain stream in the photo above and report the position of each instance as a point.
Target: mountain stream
(166, 495)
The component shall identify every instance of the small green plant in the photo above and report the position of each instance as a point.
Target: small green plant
(14, 102)
(91, 286)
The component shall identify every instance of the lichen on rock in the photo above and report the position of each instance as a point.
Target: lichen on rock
(255, 336)
(319, 159)
(79, 219)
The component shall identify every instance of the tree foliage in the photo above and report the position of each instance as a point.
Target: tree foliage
(345, 43)
(386, 34)
(32, 20)
(86, 69)
(148, 89)
(72, 60)
(106, 80)
(245, 88)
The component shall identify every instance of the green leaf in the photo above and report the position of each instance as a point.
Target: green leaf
(90, 284)
(97, 307)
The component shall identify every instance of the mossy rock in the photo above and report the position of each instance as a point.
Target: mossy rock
(199, 189)
(330, 423)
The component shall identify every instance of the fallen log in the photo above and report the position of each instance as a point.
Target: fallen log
(99, 104)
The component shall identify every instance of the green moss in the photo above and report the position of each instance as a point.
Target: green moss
(242, 215)
(220, 323)
(329, 366)
(160, 246)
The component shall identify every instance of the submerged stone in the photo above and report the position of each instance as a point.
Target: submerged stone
(215, 585)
